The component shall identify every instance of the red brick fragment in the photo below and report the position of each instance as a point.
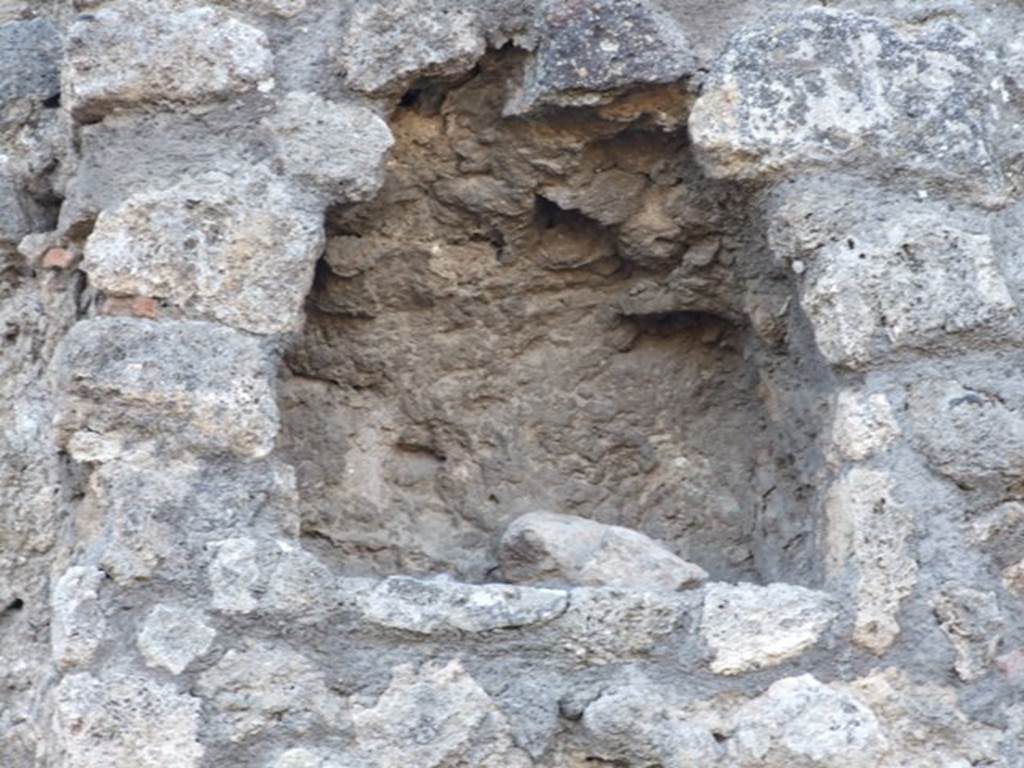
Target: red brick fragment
(132, 306)
(58, 258)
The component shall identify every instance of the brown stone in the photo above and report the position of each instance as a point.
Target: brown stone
(58, 258)
(130, 306)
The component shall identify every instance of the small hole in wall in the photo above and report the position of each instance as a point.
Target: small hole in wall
(53, 102)
(668, 323)
(410, 98)
(14, 606)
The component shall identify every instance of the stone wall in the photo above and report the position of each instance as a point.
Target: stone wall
(510, 384)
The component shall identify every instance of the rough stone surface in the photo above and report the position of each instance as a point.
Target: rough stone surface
(123, 719)
(545, 547)
(392, 43)
(633, 724)
(78, 620)
(967, 431)
(835, 87)
(886, 278)
(307, 307)
(461, 724)
(173, 637)
(589, 51)
(31, 67)
(337, 149)
(751, 627)
(869, 536)
(603, 625)
(864, 425)
(801, 721)
(429, 607)
(972, 621)
(202, 383)
(238, 251)
(264, 688)
(130, 54)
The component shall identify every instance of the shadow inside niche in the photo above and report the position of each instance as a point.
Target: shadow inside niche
(466, 358)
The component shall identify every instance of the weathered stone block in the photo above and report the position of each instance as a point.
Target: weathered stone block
(155, 514)
(173, 637)
(868, 541)
(438, 605)
(130, 54)
(180, 384)
(334, 148)
(752, 627)
(462, 726)
(824, 86)
(545, 547)
(123, 719)
(391, 43)
(863, 425)
(241, 251)
(967, 431)
(78, 621)
(801, 721)
(604, 625)
(588, 52)
(973, 623)
(635, 725)
(884, 278)
(272, 577)
(30, 61)
(265, 687)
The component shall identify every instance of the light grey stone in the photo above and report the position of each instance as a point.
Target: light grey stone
(460, 725)
(589, 52)
(265, 687)
(130, 54)
(124, 719)
(863, 425)
(78, 621)
(829, 86)
(751, 627)
(186, 384)
(974, 625)
(234, 575)
(604, 625)
(551, 548)
(272, 577)
(888, 277)
(925, 725)
(298, 587)
(137, 152)
(868, 539)
(967, 432)
(438, 605)
(237, 250)
(173, 637)
(636, 725)
(391, 43)
(337, 149)
(800, 721)
(154, 515)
